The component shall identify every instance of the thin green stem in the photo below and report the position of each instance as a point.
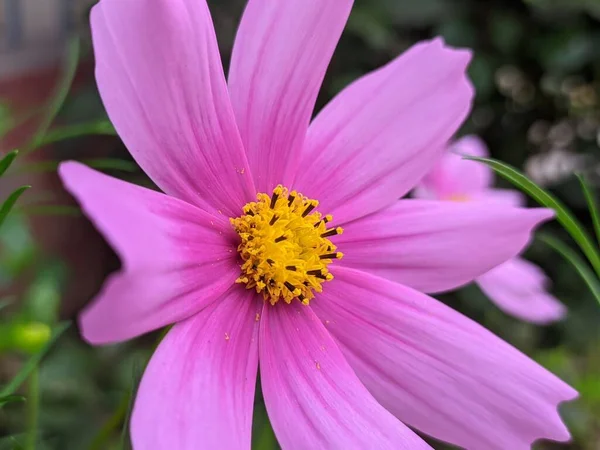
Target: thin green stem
(59, 97)
(33, 362)
(112, 426)
(50, 210)
(101, 127)
(96, 163)
(33, 406)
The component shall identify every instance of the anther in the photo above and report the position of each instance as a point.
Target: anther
(291, 199)
(308, 209)
(281, 238)
(270, 261)
(293, 289)
(336, 255)
(315, 272)
(273, 219)
(274, 200)
(292, 268)
(332, 232)
(327, 218)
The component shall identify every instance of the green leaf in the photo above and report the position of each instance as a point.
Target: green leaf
(7, 161)
(96, 163)
(101, 127)
(10, 202)
(570, 255)
(591, 201)
(113, 423)
(59, 97)
(12, 442)
(563, 214)
(51, 210)
(11, 399)
(136, 375)
(33, 362)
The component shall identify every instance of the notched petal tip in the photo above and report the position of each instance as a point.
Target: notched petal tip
(421, 350)
(558, 431)
(461, 55)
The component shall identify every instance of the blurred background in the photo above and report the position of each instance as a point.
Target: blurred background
(536, 68)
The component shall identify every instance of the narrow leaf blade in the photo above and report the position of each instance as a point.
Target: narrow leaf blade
(10, 202)
(570, 255)
(563, 214)
(11, 399)
(592, 204)
(7, 161)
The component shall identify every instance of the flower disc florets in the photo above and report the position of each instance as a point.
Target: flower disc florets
(284, 246)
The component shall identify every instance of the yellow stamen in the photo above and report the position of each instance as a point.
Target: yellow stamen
(284, 246)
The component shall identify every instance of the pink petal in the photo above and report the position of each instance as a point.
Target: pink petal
(281, 52)
(502, 197)
(160, 76)
(519, 288)
(456, 178)
(198, 389)
(438, 371)
(377, 138)
(437, 246)
(176, 259)
(471, 146)
(313, 397)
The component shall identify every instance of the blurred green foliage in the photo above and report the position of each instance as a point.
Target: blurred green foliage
(536, 68)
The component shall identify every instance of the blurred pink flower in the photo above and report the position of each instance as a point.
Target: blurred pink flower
(340, 372)
(517, 286)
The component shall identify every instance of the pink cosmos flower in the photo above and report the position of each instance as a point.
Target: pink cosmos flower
(517, 286)
(346, 356)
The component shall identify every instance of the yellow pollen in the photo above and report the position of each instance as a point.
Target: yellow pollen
(285, 247)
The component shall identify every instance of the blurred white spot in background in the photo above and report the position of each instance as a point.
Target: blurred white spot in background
(558, 164)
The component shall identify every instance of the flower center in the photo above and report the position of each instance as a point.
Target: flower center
(284, 246)
(461, 198)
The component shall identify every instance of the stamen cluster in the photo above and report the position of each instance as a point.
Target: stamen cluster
(284, 246)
